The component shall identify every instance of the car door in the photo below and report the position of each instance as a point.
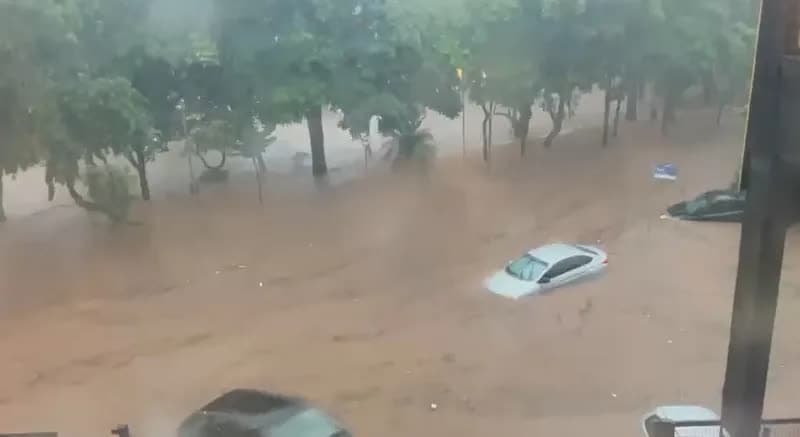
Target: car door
(724, 208)
(577, 268)
(732, 209)
(566, 270)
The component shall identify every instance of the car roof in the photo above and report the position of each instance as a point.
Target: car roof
(682, 413)
(246, 409)
(246, 401)
(553, 253)
(722, 194)
(688, 413)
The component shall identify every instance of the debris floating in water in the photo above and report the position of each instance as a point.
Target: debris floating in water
(667, 172)
(260, 285)
(434, 407)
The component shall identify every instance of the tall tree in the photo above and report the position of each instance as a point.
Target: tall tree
(37, 47)
(102, 117)
(116, 48)
(691, 43)
(566, 64)
(298, 56)
(397, 75)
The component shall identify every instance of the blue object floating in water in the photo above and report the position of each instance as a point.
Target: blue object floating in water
(667, 172)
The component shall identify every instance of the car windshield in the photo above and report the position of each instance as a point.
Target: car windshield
(526, 268)
(698, 204)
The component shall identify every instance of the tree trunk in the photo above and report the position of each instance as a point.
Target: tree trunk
(606, 112)
(50, 179)
(491, 130)
(558, 121)
(523, 127)
(213, 167)
(649, 95)
(317, 137)
(632, 103)
(616, 115)
(140, 163)
(709, 89)
(89, 158)
(365, 144)
(641, 89)
(2, 208)
(668, 116)
(261, 164)
(720, 109)
(257, 168)
(485, 131)
(79, 200)
(514, 119)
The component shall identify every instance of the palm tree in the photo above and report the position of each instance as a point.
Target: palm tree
(414, 146)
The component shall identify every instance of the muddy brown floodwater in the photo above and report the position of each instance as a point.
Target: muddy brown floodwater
(366, 299)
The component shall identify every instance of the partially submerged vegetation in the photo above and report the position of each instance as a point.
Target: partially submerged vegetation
(83, 81)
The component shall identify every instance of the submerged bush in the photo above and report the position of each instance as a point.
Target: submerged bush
(414, 149)
(109, 190)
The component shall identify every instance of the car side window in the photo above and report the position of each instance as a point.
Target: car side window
(558, 269)
(723, 204)
(567, 265)
(579, 261)
(649, 425)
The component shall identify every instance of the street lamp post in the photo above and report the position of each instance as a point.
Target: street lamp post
(193, 187)
(460, 73)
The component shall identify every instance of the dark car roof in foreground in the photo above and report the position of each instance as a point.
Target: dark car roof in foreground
(256, 413)
(246, 401)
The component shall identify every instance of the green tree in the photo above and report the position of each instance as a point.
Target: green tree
(706, 43)
(108, 189)
(287, 53)
(102, 117)
(503, 66)
(566, 67)
(396, 73)
(37, 45)
(608, 51)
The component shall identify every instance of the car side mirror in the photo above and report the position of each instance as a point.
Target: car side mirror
(544, 281)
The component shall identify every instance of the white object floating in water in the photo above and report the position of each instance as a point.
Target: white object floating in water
(667, 172)
(260, 284)
(434, 407)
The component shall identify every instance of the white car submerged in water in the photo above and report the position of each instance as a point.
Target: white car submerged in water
(547, 267)
(683, 413)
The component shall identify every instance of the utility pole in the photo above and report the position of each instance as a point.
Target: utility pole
(460, 73)
(771, 161)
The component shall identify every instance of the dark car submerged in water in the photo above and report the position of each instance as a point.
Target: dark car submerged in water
(254, 413)
(715, 205)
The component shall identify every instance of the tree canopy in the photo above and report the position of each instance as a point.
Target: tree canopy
(82, 80)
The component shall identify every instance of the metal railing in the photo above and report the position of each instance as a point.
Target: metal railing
(713, 428)
(119, 431)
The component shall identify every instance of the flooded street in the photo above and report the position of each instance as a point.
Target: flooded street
(367, 300)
